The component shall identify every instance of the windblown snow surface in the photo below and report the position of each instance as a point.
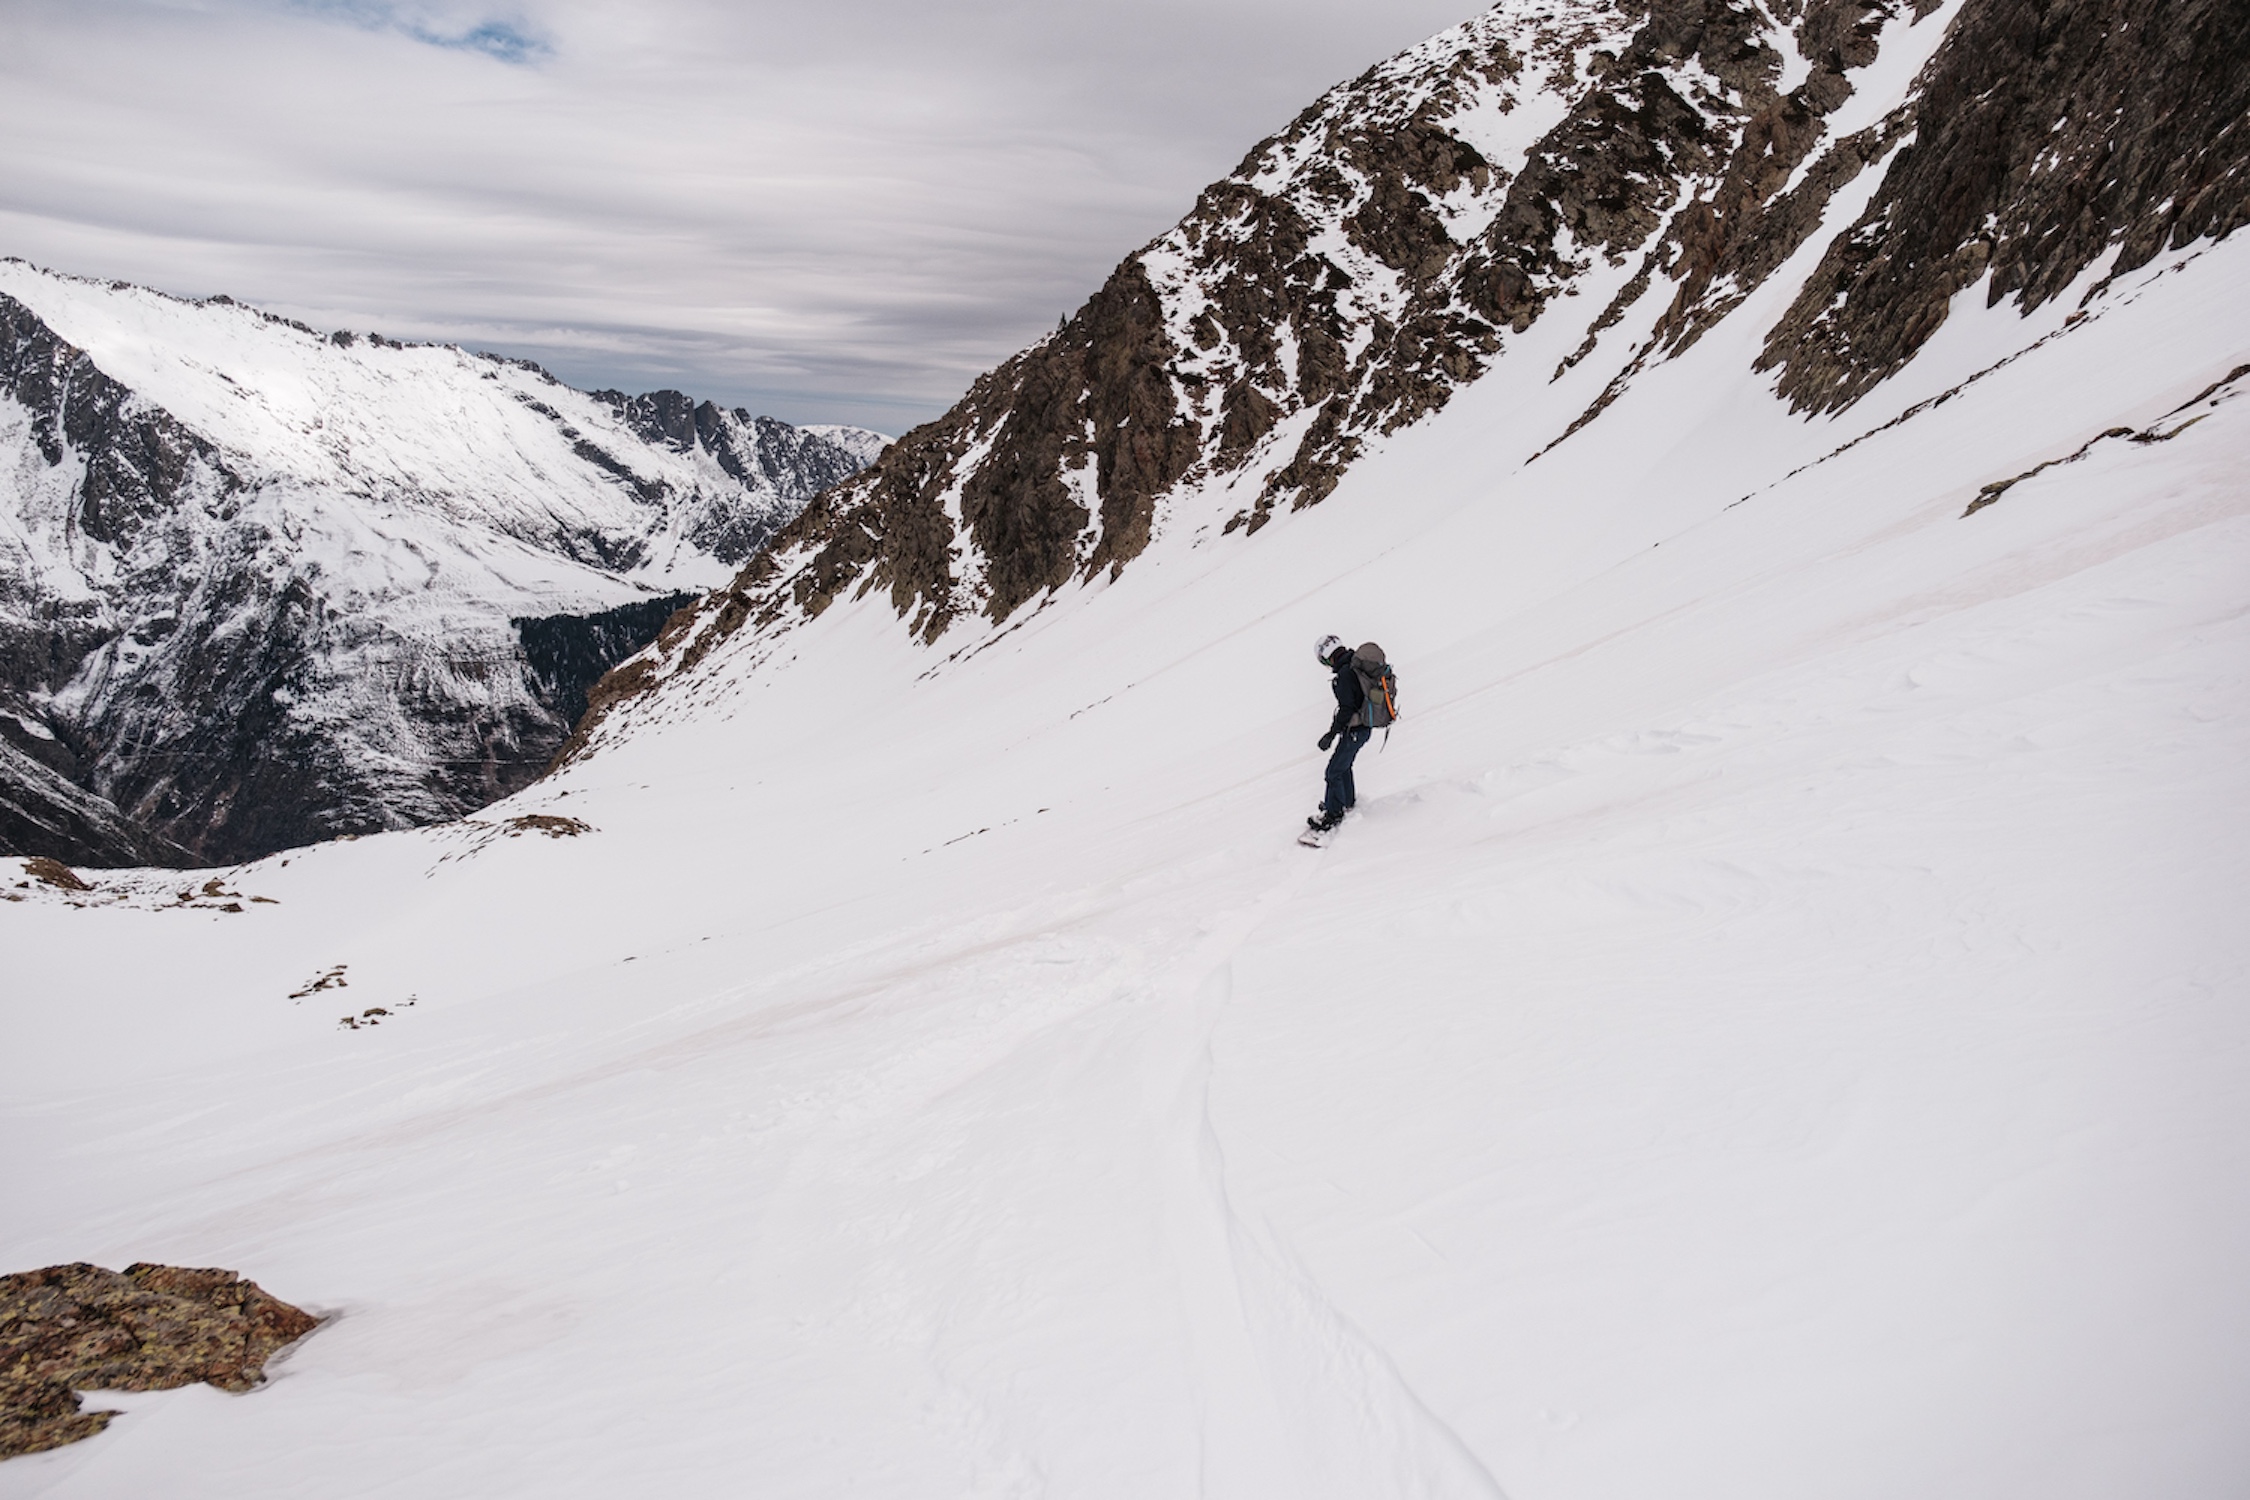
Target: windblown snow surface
(1777, 1027)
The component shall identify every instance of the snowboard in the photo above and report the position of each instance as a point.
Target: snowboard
(1315, 838)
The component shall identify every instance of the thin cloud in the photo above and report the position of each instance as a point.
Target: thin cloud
(841, 212)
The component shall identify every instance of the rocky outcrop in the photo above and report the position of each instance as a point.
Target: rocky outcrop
(2048, 134)
(43, 811)
(264, 587)
(1414, 226)
(1350, 275)
(2162, 430)
(1769, 194)
(567, 654)
(1075, 437)
(78, 1327)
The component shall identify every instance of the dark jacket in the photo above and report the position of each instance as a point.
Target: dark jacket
(1350, 698)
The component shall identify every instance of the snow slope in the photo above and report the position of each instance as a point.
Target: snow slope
(1777, 1026)
(268, 582)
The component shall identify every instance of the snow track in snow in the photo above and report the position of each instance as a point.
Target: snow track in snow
(1777, 1026)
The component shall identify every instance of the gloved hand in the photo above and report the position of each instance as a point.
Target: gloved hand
(1328, 739)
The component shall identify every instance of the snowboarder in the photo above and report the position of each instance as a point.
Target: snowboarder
(1347, 732)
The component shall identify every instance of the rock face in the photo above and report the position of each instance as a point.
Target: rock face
(79, 1327)
(1350, 275)
(1390, 246)
(568, 654)
(2049, 134)
(764, 457)
(260, 586)
(43, 808)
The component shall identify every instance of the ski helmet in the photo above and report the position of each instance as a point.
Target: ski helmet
(1329, 646)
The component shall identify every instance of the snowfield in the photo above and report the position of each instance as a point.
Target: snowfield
(1778, 1026)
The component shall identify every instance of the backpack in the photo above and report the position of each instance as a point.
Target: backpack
(1380, 683)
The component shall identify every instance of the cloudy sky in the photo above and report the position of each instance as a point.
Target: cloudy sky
(828, 210)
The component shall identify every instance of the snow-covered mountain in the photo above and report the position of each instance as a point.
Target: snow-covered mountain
(1778, 1023)
(261, 585)
(1635, 171)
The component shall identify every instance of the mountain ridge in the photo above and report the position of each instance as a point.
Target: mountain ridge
(265, 585)
(1380, 253)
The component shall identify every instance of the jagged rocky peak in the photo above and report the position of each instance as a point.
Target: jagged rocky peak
(1353, 271)
(763, 455)
(1637, 167)
(261, 585)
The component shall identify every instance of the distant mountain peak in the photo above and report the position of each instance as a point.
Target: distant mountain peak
(265, 584)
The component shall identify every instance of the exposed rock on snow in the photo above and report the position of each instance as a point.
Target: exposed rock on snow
(1383, 251)
(79, 1327)
(55, 873)
(2168, 427)
(550, 824)
(46, 881)
(260, 586)
(2049, 134)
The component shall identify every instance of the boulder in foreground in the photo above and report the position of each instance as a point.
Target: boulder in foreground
(78, 1327)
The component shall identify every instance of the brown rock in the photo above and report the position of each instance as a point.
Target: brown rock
(78, 1327)
(55, 873)
(2046, 133)
(550, 824)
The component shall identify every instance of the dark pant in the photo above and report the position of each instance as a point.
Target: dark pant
(1341, 793)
